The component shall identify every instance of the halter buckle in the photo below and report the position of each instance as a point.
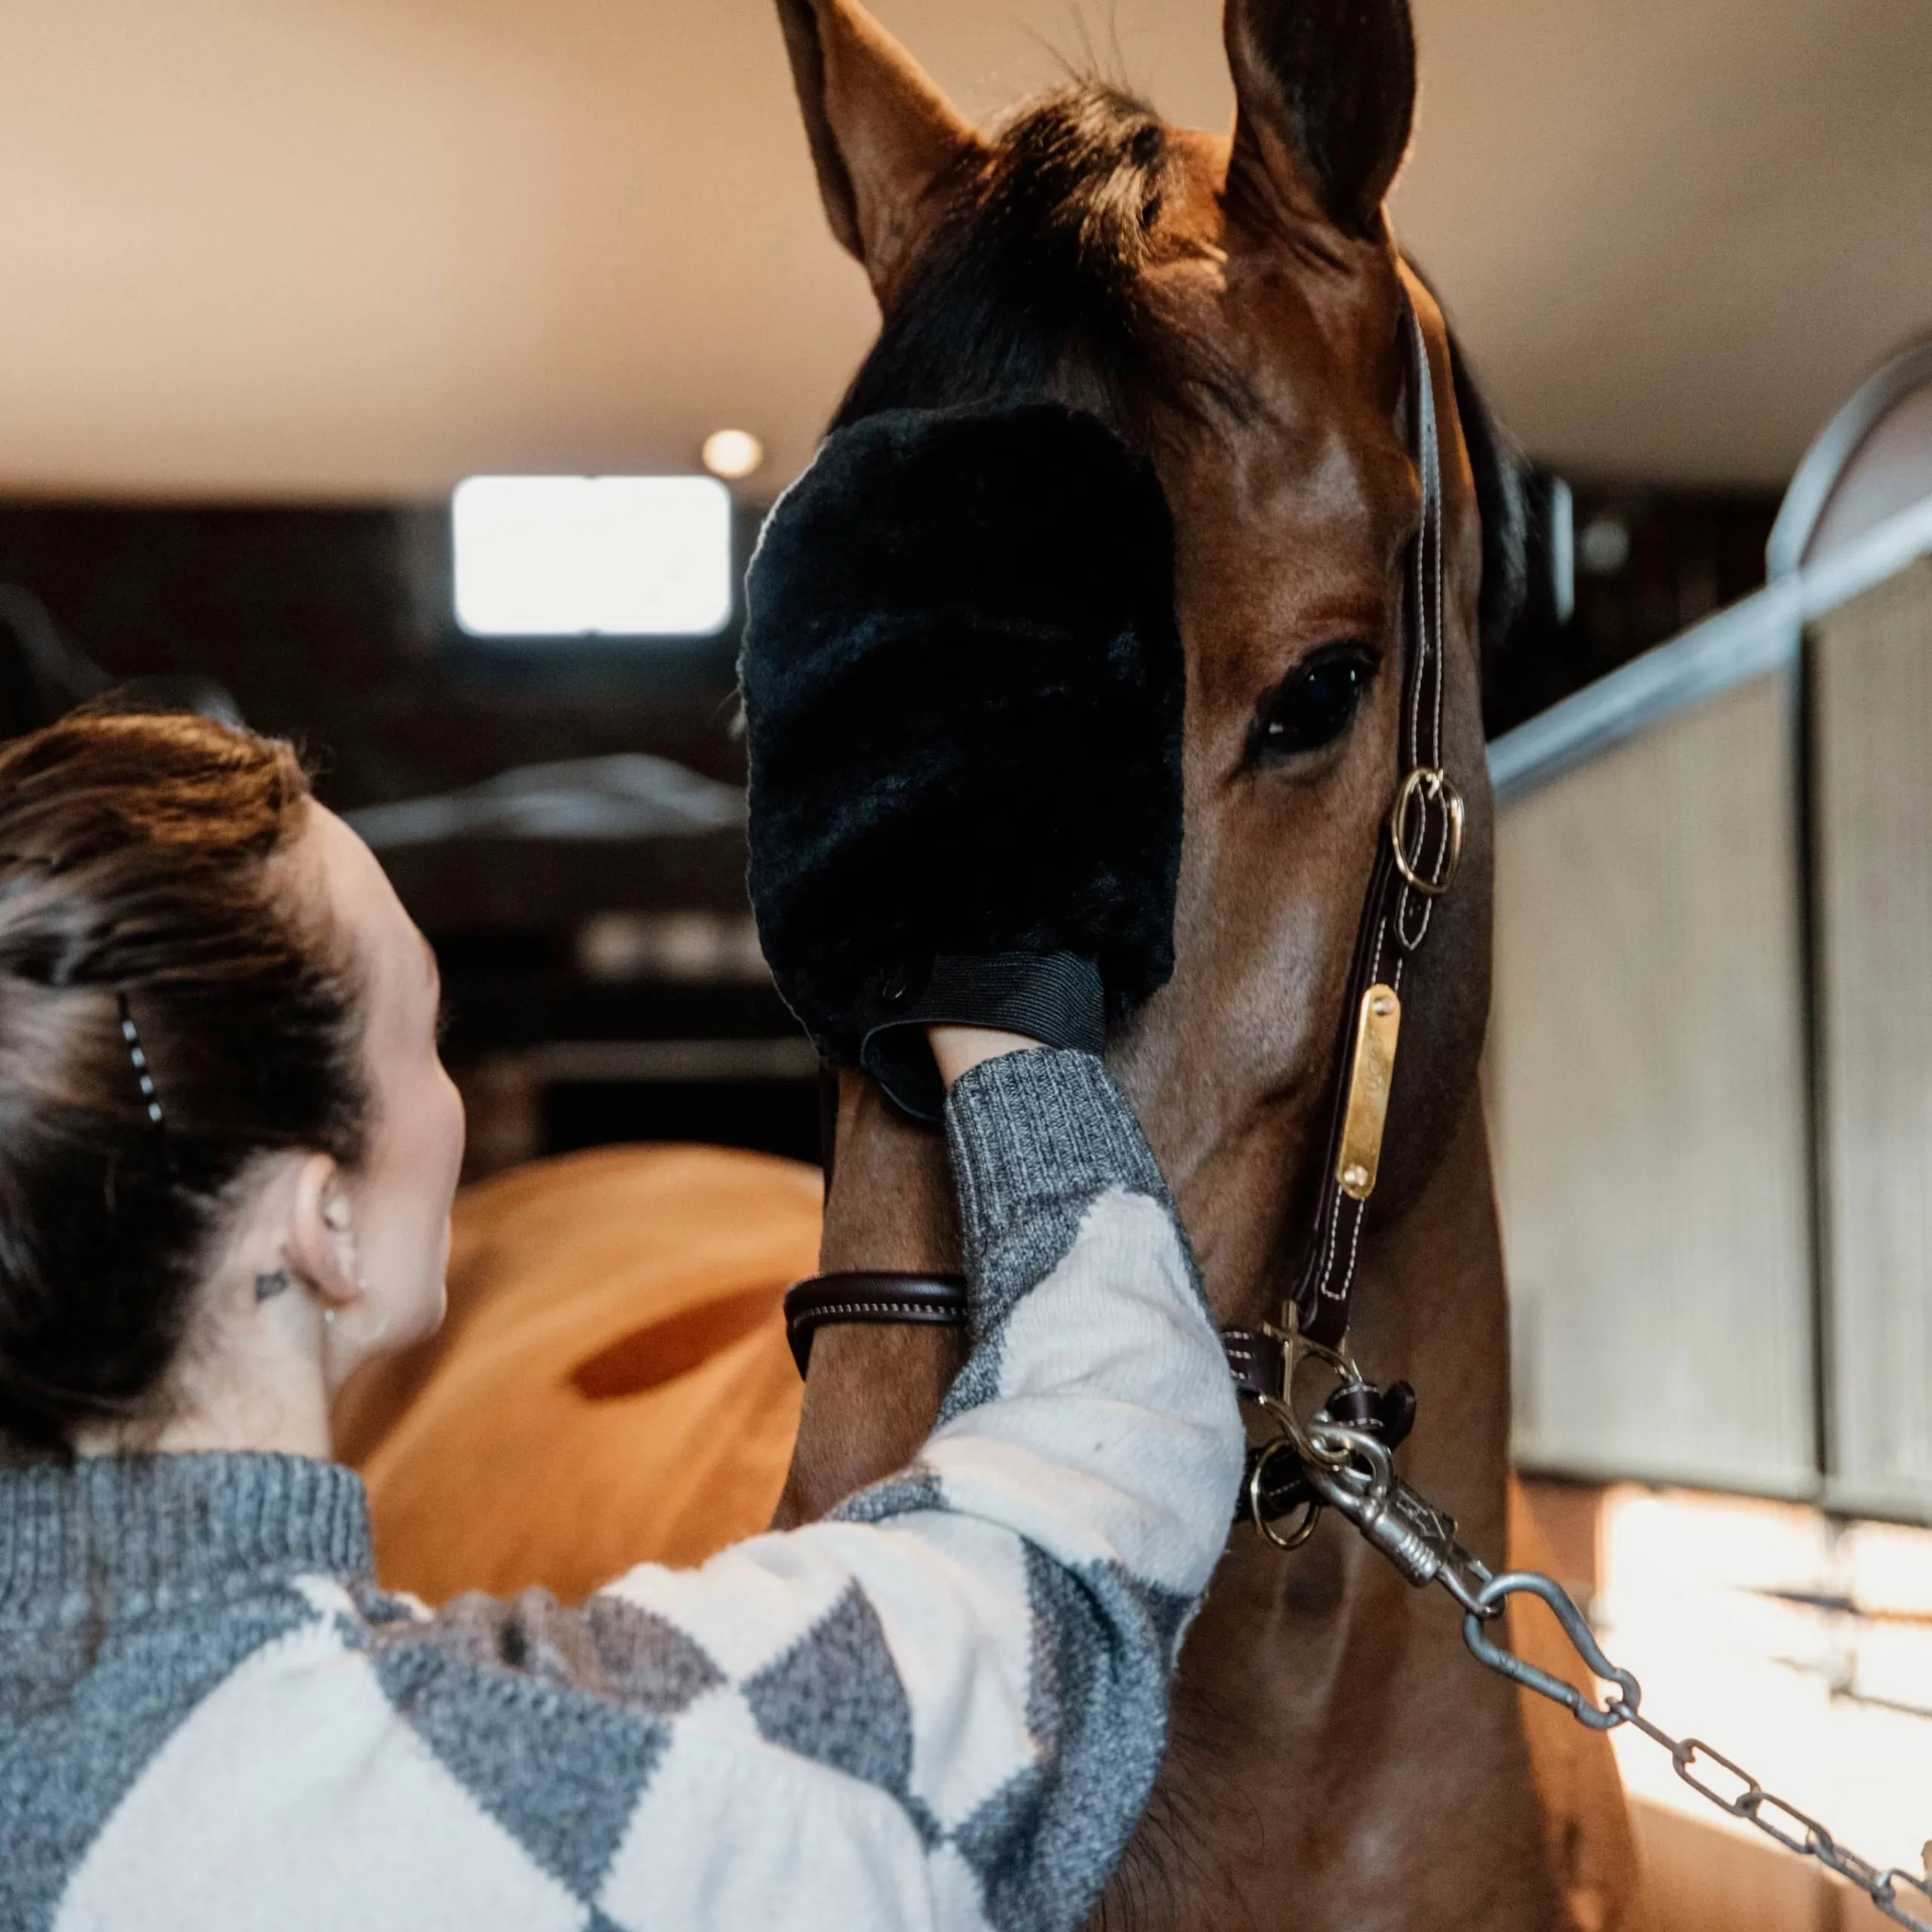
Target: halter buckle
(1433, 786)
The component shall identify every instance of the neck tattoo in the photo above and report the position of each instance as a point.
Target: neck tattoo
(275, 1282)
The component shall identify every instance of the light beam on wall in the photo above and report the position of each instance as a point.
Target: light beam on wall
(582, 556)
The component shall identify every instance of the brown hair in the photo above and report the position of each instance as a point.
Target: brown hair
(139, 907)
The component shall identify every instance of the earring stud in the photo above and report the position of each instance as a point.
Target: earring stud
(328, 1317)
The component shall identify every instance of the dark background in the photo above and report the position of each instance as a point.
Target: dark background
(333, 626)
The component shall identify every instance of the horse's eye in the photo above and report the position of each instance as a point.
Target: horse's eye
(1314, 705)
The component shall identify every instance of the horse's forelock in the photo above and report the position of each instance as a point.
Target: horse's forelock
(1033, 284)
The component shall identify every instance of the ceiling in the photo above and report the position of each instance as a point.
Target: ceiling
(326, 249)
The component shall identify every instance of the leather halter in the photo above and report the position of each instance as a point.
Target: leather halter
(1415, 864)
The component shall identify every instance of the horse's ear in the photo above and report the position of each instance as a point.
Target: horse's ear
(882, 134)
(1325, 95)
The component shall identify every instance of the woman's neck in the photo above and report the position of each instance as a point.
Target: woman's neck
(251, 1377)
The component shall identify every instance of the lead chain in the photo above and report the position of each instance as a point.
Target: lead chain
(1419, 1540)
(1775, 1817)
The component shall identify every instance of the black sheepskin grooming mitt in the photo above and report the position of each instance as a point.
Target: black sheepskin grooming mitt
(964, 688)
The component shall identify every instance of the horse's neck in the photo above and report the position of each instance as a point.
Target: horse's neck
(874, 1392)
(1338, 1759)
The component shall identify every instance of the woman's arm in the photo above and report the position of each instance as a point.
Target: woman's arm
(946, 1705)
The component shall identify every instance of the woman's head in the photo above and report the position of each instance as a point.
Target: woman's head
(168, 885)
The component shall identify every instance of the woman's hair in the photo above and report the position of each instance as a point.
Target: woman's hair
(145, 930)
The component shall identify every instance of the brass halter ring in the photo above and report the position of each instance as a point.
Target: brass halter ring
(1434, 786)
(1257, 1481)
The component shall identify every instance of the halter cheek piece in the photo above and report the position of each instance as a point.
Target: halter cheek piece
(1415, 865)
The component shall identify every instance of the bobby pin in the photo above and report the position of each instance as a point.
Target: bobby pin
(140, 1060)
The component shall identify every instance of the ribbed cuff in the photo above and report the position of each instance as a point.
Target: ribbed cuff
(1029, 1130)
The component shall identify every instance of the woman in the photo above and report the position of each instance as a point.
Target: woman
(227, 1153)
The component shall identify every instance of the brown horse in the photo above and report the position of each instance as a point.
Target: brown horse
(1235, 305)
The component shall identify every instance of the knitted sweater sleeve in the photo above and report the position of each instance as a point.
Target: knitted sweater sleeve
(945, 1705)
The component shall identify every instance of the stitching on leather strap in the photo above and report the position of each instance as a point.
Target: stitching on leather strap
(861, 1310)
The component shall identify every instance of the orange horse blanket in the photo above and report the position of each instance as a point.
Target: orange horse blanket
(612, 1384)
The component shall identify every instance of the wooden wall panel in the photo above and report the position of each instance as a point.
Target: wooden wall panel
(1872, 663)
(1646, 1083)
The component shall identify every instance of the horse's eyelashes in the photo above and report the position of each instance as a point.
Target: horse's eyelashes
(1314, 705)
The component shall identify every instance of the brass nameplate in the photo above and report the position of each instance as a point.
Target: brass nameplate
(1371, 1070)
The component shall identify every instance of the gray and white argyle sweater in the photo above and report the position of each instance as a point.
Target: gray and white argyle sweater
(942, 1707)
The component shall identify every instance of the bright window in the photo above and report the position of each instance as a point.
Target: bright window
(578, 556)
(1798, 1644)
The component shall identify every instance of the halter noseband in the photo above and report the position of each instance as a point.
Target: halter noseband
(1415, 864)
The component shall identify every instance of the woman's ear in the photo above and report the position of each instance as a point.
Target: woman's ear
(322, 1233)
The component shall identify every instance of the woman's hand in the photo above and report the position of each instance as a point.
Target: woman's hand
(959, 1049)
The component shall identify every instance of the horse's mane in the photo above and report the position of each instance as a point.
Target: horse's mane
(1033, 286)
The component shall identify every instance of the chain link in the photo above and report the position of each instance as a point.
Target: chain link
(1744, 1798)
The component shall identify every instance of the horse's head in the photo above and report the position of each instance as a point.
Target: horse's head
(1234, 306)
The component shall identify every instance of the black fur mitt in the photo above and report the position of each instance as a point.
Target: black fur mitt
(963, 685)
